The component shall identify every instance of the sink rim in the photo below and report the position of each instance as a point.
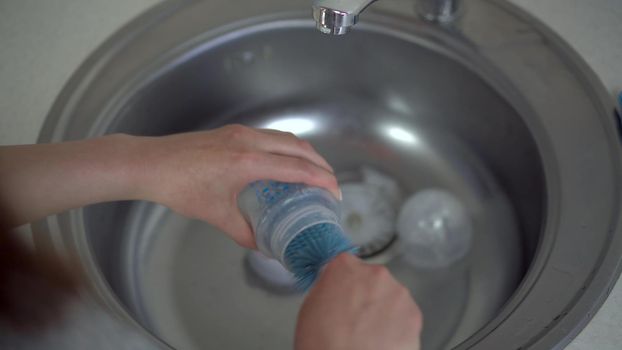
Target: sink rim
(602, 280)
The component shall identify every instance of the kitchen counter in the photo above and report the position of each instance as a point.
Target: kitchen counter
(43, 42)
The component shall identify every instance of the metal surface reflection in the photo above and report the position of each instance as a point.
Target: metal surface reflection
(299, 126)
(401, 135)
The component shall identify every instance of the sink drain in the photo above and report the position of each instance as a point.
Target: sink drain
(369, 211)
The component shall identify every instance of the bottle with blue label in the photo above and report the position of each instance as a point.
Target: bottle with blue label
(296, 224)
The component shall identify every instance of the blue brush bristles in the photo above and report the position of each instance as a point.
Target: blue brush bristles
(313, 248)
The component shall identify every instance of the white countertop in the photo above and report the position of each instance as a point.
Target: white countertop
(43, 42)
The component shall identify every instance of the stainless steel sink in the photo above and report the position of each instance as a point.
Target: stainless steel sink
(491, 107)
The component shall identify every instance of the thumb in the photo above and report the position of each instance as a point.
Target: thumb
(240, 231)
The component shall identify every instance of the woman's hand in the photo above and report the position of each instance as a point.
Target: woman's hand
(354, 305)
(199, 175)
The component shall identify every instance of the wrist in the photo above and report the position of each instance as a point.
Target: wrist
(128, 159)
(143, 167)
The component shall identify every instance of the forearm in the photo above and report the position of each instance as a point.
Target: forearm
(39, 180)
(195, 174)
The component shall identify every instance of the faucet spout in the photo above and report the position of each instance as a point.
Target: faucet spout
(337, 16)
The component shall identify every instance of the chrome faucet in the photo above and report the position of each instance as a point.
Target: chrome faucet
(338, 16)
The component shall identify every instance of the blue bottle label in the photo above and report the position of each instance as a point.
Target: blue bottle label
(269, 192)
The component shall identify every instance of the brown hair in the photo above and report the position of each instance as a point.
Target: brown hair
(33, 288)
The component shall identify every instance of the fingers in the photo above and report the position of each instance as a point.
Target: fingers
(344, 264)
(240, 231)
(285, 143)
(354, 267)
(290, 169)
(346, 259)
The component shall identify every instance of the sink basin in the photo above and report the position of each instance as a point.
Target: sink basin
(492, 108)
(396, 121)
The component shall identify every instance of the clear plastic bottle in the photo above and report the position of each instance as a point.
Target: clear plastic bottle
(278, 211)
